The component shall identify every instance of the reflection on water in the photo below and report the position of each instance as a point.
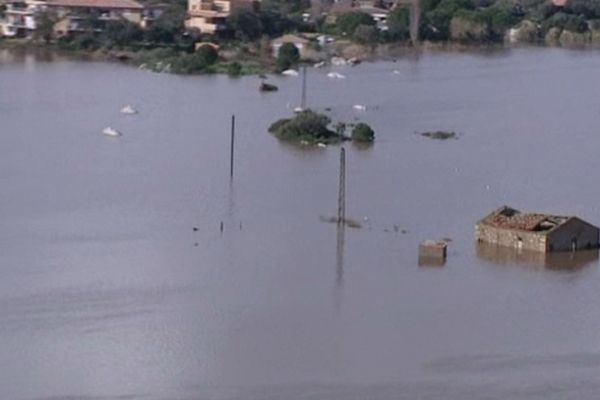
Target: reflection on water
(566, 260)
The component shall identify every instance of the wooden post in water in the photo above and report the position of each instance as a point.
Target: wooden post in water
(342, 188)
(232, 147)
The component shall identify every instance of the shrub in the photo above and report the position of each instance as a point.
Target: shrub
(363, 133)
(122, 33)
(366, 34)
(398, 23)
(234, 69)
(208, 54)
(199, 62)
(568, 22)
(306, 126)
(348, 22)
(246, 24)
(436, 23)
(287, 56)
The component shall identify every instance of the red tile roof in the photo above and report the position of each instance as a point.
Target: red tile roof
(114, 4)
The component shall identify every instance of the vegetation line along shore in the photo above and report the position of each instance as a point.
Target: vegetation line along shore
(250, 37)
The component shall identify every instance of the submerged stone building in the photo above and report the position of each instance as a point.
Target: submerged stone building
(538, 232)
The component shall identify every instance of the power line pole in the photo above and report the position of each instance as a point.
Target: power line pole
(232, 147)
(342, 188)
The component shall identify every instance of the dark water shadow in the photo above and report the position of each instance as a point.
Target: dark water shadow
(557, 261)
(339, 265)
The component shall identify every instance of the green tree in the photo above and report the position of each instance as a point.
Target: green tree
(589, 9)
(246, 24)
(122, 33)
(168, 27)
(305, 126)
(561, 20)
(398, 23)
(436, 23)
(198, 62)
(287, 56)
(348, 22)
(363, 133)
(366, 34)
(45, 22)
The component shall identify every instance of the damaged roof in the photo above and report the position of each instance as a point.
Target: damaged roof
(509, 218)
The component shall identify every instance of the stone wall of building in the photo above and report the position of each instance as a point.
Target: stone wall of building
(510, 238)
(574, 234)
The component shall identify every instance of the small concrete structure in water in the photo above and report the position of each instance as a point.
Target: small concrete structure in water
(536, 232)
(432, 253)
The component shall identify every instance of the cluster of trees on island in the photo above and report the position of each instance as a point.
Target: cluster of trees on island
(309, 127)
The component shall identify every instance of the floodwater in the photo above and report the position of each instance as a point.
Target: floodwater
(108, 292)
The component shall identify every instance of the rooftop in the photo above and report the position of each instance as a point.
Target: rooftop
(291, 39)
(509, 218)
(119, 4)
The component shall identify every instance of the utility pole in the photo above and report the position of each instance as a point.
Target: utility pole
(232, 147)
(342, 189)
(303, 99)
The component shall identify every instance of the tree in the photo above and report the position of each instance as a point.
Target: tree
(287, 56)
(207, 54)
(436, 23)
(398, 23)
(45, 22)
(366, 34)
(348, 22)
(200, 61)
(122, 33)
(306, 126)
(246, 24)
(168, 27)
(363, 133)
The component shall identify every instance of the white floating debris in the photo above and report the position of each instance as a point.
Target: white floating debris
(336, 75)
(338, 61)
(290, 72)
(298, 110)
(396, 72)
(360, 107)
(128, 109)
(322, 145)
(320, 64)
(111, 132)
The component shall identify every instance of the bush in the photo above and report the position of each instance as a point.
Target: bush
(436, 23)
(589, 9)
(168, 27)
(199, 62)
(287, 56)
(366, 34)
(122, 33)
(208, 54)
(363, 133)
(246, 24)
(481, 25)
(234, 69)
(348, 22)
(306, 126)
(568, 22)
(398, 23)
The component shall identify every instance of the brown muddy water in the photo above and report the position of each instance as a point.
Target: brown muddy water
(107, 292)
